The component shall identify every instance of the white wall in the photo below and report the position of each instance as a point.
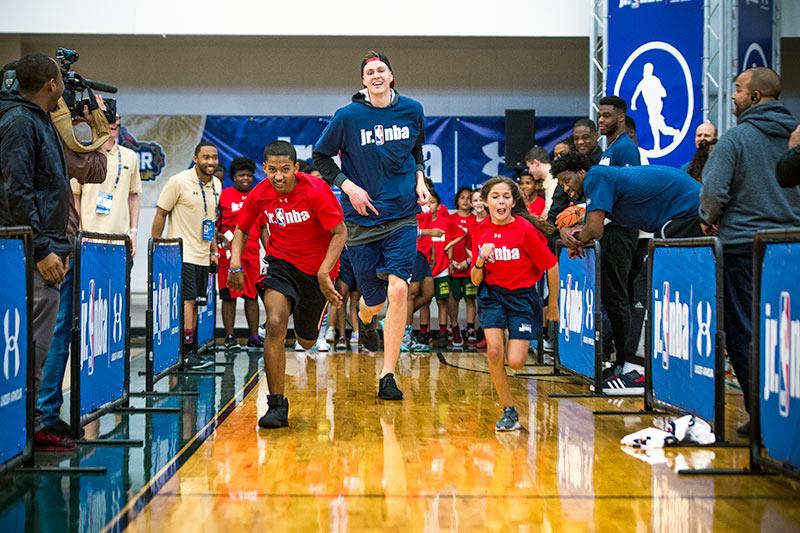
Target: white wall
(315, 75)
(532, 18)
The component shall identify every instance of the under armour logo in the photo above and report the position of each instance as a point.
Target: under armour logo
(498, 235)
(117, 326)
(704, 329)
(12, 343)
(283, 200)
(492, 151)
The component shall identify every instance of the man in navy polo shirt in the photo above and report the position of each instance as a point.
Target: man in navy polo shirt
(379, 137)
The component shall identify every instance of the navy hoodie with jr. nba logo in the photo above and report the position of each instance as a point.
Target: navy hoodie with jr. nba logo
(381, 150)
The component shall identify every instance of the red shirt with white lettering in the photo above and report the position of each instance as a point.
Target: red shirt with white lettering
(452, 231)
(461, 247)
(300, 222)
(521, 254)
(424, 241)
(231, 201)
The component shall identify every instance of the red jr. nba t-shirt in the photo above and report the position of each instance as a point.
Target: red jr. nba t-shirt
(231, 201)
(521, 254)
(299, 222)
(466, 223)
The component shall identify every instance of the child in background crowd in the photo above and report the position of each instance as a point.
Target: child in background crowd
(441, 257)
(511, 254)
(460, 284)
(532, 194)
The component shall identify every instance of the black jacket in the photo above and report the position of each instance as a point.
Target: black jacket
(34, 187)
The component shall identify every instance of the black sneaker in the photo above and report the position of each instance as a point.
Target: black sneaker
(193, 362)
(743, 430)
(231, 344)
(62, 429)
(277, 415)
(387, 388)
(509, 421)
(368, 334)
(624, 384)
(253, 345)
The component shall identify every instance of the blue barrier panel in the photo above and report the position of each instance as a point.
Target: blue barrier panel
(164, 309)
(207, 315)
(100, 353)
(579, 349)
(684, 364)
(16, 412)
(775, 380)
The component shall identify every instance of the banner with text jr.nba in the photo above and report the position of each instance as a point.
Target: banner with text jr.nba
(14, 350)
(102, 323)
(655, 64)
(576, 307)
(779, 352)
(755, 33)
(207, 314)
(166, 302)
(683, 314)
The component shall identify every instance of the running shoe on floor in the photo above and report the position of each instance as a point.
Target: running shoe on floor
(277, 415)
(341, 344)
(458, 340)
(387, 388)
(254, 345)
(47, 441)
(368, 334)
(623, 384)
(231, 344)
(193, 362)
(510, 420)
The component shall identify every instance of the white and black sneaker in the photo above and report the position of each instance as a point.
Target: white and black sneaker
(624, 384)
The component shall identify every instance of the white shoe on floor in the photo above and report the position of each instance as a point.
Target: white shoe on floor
(322, 345)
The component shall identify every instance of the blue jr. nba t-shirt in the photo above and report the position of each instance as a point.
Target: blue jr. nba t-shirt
(623, 152)
(646, 197)
(375, 145)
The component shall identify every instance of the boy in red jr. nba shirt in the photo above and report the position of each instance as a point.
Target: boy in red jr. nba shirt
(511, 255)
(306, 236)
(231, 200)
(441, 258)
(460, 284)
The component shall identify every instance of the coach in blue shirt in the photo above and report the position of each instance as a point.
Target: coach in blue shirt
(652, 198)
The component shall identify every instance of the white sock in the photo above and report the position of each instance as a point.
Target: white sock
(629, 367)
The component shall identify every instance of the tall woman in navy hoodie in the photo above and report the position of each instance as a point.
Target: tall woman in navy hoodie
(379, 137)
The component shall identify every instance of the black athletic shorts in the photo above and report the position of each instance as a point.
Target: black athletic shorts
(194, 283)
(308, 303)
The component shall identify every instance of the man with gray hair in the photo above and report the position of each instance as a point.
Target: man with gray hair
(741, 195)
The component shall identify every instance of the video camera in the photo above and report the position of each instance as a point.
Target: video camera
(76, 85)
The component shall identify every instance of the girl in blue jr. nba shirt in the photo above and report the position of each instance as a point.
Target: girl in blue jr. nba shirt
(511, 256)
(379, 138)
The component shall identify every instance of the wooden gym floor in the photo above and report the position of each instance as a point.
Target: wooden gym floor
(433, 462)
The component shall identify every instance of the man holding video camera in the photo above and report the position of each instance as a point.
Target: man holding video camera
(35, 192)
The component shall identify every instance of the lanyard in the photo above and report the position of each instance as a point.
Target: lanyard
(119, 167)
(203, 192)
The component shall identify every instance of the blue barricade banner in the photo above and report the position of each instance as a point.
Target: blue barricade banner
(655, 64)
(206, 314)
(103, 324)
(167, 304)
(576, 307)
(779, 352)
(14, 350)
(755, 33)
(683, 315)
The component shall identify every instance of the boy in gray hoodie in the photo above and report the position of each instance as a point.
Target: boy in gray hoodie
(741, 195)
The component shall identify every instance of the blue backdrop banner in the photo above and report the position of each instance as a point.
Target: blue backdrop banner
(166, 289)
(458, 151)
(655, 64)
(576, 307)
(206, 314)
(14, 349)
(684, 322)
(103, 324)
(779, 353)
(755, 33)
